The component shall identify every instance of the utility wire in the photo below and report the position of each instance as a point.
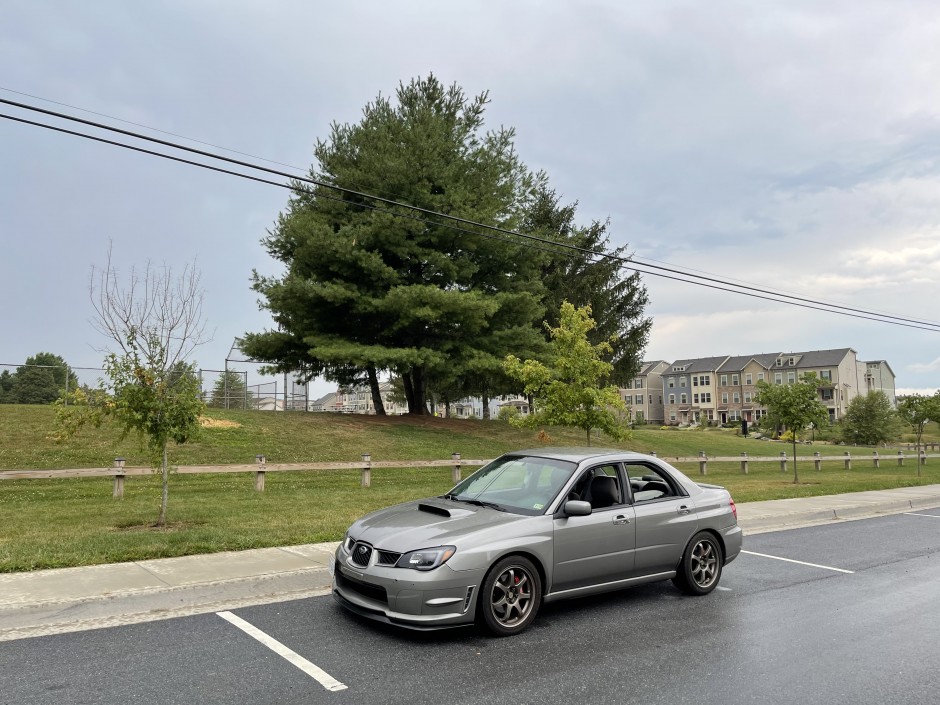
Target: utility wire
(628, 262)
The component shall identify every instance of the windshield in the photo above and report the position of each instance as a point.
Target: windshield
(520, 484)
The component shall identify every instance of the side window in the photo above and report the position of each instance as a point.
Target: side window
(649, 483)
(600, 486)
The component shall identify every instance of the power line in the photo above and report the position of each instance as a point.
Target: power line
(627, 262)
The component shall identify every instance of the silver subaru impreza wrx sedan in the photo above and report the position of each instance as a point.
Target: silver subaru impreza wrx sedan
(535, 526)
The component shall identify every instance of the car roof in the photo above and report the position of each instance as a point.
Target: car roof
(577, 454)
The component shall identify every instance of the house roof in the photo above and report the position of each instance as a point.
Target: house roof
(699, 364)
(739, 362)
(647, 367)
(820, 358)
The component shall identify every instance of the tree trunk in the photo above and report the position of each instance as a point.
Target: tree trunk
(796, 478)
(164, 495)
(589, 437)
(417, 404)
(409, 390)
(376, 394)
(485, 396)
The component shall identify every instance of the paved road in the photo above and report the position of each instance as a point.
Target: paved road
(855, 620)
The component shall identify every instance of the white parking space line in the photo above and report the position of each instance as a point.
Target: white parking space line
(312, 670)
(790, 560)
(915, 514)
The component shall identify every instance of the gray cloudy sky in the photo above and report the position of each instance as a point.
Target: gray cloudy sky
(791, 144)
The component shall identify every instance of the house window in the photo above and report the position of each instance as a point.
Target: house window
(639, 383)
(748, 379)
(706, 380)
(723, 380)
(694, 381)
(695, 398)
(779, 362)
(735, 380)
(707, 399)
(671, 382)
(682, 382)
(724, 397)
(672, 415)
(651, 399)
(791, 377)
(747, 397)
(736, 398)
(826, 375)
(683, 398)
(672, 398)
(790, 362)
(639, 398)
(760, 376)
(778, 377)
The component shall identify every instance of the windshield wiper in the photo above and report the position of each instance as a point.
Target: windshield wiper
(481, 503)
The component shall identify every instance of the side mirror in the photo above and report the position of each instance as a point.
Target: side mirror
(577, 508)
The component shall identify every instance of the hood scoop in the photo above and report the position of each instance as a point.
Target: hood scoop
(433, 509)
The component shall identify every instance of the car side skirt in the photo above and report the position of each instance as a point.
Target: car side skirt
(608, 587)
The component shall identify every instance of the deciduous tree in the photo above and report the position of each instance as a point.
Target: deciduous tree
(793, 406)
(154, 319)
(572, 388)
(870, 419)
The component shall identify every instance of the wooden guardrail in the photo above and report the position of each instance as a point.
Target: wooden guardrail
(261, 467)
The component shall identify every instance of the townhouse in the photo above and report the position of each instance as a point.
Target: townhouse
(644, 393)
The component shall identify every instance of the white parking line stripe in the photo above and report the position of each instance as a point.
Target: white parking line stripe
(915, 514)
(312, 670)
(790, 560)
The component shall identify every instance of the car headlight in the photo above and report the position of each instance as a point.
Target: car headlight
(348, 542)
(426, 558)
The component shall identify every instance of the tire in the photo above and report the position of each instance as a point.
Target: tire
(510, 596)
(700, 568)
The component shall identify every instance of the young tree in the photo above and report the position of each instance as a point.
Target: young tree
(367, 290)
(917, 411)
(155, 321)
(870, 419)
(571, 389)
(793, 406)
(230, 391)
(6, 387)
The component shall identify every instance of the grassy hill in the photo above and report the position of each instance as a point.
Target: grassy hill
(66, 522)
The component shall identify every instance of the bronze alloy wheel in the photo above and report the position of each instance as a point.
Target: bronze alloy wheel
(512, 593)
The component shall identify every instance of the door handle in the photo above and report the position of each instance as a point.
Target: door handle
(621, 519)
(683, 510)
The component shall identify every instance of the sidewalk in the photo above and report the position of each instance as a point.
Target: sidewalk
(74, 599)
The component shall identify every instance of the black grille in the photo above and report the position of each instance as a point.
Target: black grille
(361, 554)
(373, 592)
(388, 558)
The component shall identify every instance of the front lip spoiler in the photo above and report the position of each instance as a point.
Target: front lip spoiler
(377, 616)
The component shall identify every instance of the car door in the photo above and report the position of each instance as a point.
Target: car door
(597, 548)
(665, 518)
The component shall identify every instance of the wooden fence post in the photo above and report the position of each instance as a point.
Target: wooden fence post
(900, 458)
(875, 459)
(817, 461)
(456, 458)
(261, 461)
(653, 453)
(702, 463)
(366, 470)
(744, 463)
(783, 461)
(119, 479)
(848, 460)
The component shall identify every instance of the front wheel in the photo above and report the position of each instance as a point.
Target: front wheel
(700, 568)
(510, 596)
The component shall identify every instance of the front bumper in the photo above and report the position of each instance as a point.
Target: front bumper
(415, 599)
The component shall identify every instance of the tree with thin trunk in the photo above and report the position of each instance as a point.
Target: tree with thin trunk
(154, 321)
(572, 389)
(794, 406)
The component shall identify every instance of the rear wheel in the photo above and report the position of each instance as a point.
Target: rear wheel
(700, 568)
(511, 596)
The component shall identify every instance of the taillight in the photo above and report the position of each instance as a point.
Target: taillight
(734, 510)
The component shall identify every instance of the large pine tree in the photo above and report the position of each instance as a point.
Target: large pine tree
(367, 290)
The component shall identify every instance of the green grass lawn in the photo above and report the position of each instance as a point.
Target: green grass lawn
(68, 522)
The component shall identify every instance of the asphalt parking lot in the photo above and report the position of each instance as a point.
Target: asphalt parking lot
(844, 613)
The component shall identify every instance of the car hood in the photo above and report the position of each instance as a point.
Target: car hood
(427, 523)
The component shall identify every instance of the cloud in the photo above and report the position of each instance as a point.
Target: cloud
(933, 366)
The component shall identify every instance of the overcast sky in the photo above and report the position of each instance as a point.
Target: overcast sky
(793, 144)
